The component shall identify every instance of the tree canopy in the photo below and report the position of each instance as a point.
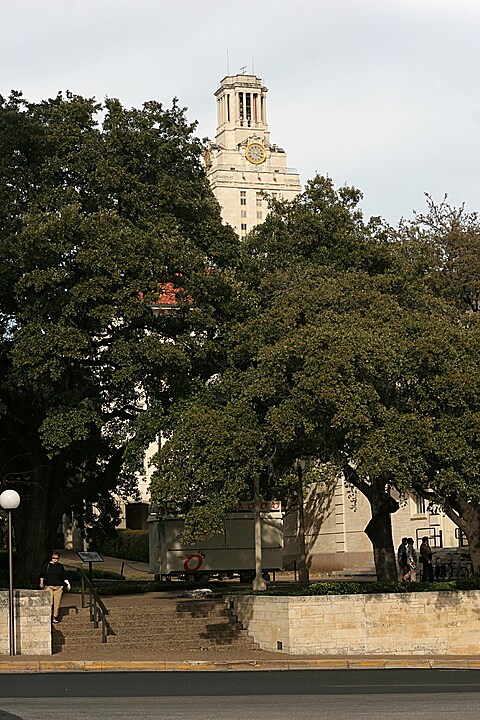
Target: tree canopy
(344, 353)
(100, 206)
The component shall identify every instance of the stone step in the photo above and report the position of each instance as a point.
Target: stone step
(145, 612)
(153, 634)
(142, 621)
(170, 645)
(179, 625)
(169, 613)
(196, 608)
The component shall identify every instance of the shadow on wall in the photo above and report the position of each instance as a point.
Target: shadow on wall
(318, 507)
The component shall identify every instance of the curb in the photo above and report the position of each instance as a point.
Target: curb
(380, 663)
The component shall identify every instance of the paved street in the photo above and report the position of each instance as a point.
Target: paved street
(358, 694)
(400, 707)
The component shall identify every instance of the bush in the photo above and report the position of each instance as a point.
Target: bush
(125, 544)
(369, 588)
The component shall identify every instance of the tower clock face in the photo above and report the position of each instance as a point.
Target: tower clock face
(255, 153)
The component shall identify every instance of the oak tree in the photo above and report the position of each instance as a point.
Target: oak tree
(100, 207)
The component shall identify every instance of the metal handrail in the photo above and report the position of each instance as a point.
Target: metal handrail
(98, 611)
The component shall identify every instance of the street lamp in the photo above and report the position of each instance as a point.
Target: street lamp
(10, 500)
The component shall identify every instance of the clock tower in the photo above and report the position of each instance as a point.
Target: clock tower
(242, 165)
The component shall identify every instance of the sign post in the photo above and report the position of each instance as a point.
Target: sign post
(90, 557)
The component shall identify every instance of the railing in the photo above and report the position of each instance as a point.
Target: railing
(98, 611)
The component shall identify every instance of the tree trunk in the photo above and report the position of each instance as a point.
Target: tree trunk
(379, 532)
(258, 584)
(379, 529)
(472, 531)
(466, 515)
(35, 523)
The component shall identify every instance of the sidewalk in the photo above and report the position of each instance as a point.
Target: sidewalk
(131, 569)
(46, 664)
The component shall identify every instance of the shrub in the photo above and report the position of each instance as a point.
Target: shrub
(369, 588)
(125, 544)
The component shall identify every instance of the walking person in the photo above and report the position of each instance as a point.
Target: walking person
(402, 559)
(426, 556)
(53, 579)
(411, 574)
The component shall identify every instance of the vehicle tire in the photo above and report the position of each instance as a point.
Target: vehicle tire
(246, 576)
(462, 572)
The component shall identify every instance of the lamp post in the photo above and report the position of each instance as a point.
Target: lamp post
(10, 500)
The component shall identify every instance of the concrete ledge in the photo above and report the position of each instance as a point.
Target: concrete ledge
(385, 625)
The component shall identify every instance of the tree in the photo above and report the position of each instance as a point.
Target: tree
(95, 216)
(445, 242)
(318, 360)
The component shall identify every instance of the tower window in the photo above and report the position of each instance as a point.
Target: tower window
(243, 226)
(228, 108)
(243, 214)
(248, 99)
(259, 214)
(243, 197)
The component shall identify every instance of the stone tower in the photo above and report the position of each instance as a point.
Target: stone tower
(242, 164)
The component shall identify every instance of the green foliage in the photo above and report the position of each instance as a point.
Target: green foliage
(370, 588)
(445, 243)
(350, 347)
(99, 207)
(125, 544)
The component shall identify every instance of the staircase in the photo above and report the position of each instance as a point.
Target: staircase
(155, 625)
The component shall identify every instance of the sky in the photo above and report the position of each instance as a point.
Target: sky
(383, 95)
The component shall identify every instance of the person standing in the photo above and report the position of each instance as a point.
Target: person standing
(53, 579)
(426, 556)
(402, 558)
(411, 573)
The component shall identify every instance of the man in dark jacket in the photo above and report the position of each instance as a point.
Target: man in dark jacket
(426, 556)
(53, 579)
(402, 558)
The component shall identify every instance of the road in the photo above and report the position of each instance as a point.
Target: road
(254, 695)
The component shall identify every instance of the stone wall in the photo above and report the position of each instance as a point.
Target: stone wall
(33, 630)
(431, 623)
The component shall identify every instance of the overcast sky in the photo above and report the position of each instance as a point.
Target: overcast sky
(380, 94)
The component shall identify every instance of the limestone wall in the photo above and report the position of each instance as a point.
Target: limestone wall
(33, 630)
(439, 623)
